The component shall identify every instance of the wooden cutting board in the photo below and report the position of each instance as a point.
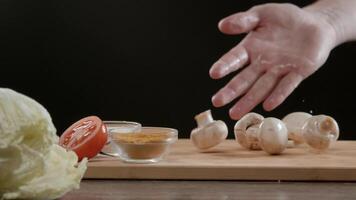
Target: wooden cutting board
(229, 161)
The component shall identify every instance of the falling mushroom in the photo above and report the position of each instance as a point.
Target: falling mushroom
(294, 123)
(209, 132)
(246, 131)
(319, 131)
(273, 136)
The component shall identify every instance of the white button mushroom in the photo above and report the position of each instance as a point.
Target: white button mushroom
(294, 123)
(319, 131)
(273, 136)
(209, 132)
(246, 131)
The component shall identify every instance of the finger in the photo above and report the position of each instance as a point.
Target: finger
(254, 96)
(236, 87)
(285, 87)
(242, 22)
(231, 61)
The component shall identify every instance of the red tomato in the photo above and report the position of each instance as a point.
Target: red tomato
(86, 137)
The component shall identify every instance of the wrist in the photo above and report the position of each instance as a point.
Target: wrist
(324, 19)
(338, 18)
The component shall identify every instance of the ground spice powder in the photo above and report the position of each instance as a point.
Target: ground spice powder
(142, 145)
(140, 138)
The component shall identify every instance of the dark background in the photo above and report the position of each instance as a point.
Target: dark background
(144, 61)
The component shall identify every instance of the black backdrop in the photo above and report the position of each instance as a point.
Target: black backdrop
(144, 61)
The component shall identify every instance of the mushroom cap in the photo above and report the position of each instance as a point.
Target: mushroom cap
(246, 132)
(319, 131)
(209, 135)
(273, 136)
(294, 123)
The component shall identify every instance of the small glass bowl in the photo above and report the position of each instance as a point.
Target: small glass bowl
(149, 145)
(118, 127)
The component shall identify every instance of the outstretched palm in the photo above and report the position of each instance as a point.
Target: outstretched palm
(284, 45)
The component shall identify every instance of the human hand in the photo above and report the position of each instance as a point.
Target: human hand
(284, 45)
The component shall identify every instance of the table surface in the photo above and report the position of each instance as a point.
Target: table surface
(217, 190)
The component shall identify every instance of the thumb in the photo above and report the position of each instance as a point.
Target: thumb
(241, 22)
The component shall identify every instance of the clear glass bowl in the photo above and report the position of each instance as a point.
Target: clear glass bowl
(118, 127)
(149, 145)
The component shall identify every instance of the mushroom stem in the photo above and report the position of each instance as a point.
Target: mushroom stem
(204, 118)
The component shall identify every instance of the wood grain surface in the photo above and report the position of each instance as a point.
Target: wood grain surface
(215, 190)
(229, 161)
